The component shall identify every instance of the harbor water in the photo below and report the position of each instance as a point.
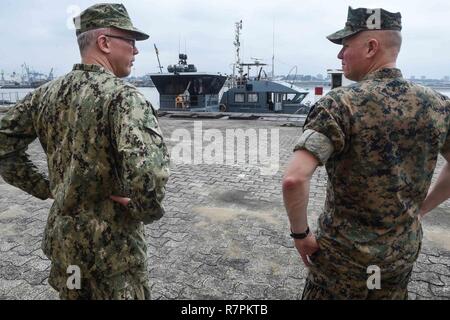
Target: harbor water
(152, 94)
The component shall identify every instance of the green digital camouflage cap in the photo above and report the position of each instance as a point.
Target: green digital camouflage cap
(363, 19)
(107, 15)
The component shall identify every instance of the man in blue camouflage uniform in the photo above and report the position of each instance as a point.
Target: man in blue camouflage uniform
(379, 140)
(108, 163)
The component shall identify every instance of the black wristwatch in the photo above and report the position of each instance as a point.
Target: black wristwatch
(300, 235)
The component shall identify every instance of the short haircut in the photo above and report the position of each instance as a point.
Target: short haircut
(86, 39)
(394, 39)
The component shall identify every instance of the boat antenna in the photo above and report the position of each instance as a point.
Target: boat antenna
(273, 56)
(157, 56)
(237, 44)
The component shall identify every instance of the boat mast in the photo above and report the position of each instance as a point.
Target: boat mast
(157, 56)
(237, 44)
(273, 56)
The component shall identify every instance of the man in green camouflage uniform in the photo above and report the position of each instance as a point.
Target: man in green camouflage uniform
(379, 140)
(108, 163)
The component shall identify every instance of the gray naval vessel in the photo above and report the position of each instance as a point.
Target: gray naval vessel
(263, 95)
(183, 88)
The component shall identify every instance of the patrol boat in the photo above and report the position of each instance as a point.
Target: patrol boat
(263, 95)
(260, 94)
(183, 88)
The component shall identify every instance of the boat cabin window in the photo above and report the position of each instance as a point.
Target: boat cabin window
(294, 97)
(252, 97)
(302, 96)
(290, 97)
(239, 97)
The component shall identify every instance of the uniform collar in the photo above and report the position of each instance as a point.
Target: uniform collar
(90, 68)
(389, 73)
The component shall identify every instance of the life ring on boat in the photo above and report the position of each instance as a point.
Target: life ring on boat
(223, 108)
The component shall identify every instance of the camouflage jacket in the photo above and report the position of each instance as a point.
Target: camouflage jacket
(379, 140)
(101, 138)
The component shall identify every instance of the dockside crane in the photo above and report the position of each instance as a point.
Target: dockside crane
(159, 62)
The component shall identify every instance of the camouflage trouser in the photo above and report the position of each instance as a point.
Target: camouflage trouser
(332, 279)
(129, 285)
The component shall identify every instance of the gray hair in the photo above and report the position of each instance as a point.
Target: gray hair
(86, 39)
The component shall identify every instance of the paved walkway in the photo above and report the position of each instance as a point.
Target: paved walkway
(224, 236)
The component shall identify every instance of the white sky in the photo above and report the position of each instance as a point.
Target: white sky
(36, 32)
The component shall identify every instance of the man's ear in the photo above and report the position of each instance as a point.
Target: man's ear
(103, 44)
(373, 45)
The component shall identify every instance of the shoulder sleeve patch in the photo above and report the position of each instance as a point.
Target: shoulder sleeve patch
(316, 143)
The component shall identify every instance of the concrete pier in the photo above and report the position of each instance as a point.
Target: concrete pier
(225, 234)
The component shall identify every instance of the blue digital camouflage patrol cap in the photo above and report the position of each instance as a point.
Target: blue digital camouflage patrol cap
(363, 19)
(107, 15)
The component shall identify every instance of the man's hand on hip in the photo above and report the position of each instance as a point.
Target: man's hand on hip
(307, 247)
